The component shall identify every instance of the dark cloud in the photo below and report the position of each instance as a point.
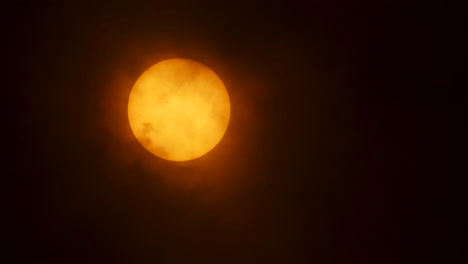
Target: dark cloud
(321, 162)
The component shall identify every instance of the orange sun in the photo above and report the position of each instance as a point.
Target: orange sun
(179, 109)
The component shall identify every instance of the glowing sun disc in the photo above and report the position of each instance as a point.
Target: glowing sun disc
(179, 109)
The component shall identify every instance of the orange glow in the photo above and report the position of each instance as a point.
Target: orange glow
(179, 109)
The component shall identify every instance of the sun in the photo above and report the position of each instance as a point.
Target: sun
(179, 109)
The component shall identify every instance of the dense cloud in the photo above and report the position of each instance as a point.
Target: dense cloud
(320, 163)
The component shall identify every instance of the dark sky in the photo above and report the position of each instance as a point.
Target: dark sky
(335, 110)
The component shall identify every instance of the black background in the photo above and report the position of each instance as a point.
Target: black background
(336, 112)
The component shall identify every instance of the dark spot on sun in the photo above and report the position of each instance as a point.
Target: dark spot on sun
(147, 128)
(146, 141)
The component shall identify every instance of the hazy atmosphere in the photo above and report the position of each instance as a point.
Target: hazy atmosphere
(326, 159)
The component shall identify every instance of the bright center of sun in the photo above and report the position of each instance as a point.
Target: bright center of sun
(179, 109)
